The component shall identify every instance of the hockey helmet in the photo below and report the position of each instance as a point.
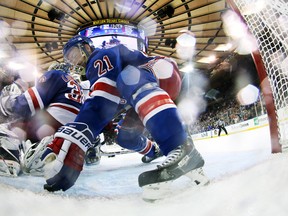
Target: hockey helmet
(74, 50)
(65, 67)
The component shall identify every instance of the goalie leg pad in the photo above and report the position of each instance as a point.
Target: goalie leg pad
(9, 162)
(9, 156)
(32, 163)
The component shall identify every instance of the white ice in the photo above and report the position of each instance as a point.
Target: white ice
(246, 180)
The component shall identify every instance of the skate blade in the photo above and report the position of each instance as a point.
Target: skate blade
(198, 177)
(162, 190)
(157, 191)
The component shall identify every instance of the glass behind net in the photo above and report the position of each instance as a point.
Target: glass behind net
(268, 22)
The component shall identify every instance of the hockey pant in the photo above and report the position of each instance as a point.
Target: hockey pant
(131, 129)
(220, 128)
(154, 107)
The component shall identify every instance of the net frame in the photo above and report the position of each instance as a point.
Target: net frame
(268, 22)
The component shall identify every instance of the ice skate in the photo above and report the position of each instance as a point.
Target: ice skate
(93, 155)
(184, 160)
(157, 154)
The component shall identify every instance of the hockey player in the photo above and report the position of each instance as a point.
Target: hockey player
(54, 101)
(116, 80)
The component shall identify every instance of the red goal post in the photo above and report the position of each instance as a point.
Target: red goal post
(268, 22)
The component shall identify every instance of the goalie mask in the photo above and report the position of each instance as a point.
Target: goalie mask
(7, 76)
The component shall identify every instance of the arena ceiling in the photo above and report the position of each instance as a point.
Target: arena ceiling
(26, 28)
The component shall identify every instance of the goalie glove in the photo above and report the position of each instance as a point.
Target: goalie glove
(64, 157)
(8, 97)
(6, 104)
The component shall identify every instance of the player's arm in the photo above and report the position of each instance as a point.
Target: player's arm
(34, 98)
(9, 95)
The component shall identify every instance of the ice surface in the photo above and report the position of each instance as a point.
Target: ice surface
(246, 180)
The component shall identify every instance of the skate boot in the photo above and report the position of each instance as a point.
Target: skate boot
(184, 160)
(157, 154)
(93, 154)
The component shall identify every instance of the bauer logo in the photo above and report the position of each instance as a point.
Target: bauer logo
(184, 161)
(76, 135)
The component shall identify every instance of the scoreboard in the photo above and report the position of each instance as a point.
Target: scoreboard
(105, 34)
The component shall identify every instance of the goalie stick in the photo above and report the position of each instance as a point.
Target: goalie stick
(115, 152)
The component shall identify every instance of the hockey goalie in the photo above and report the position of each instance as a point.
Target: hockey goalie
(34, 114)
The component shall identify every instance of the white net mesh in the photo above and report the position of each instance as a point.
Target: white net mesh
(268, 22)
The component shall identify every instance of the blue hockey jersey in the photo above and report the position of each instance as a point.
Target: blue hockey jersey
(55, 91)
(102, 70)
(112, 60)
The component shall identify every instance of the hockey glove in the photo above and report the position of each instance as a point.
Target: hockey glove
(64, 157)
(8, 96)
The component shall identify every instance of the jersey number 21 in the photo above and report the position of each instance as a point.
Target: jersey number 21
(100, 63)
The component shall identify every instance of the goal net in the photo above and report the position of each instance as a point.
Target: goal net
(268, 22)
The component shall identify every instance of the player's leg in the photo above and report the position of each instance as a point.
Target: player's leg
(101, 107)
(130, 136)
(154, 107)
(225, 130)
(160, 116)
(219, 131)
